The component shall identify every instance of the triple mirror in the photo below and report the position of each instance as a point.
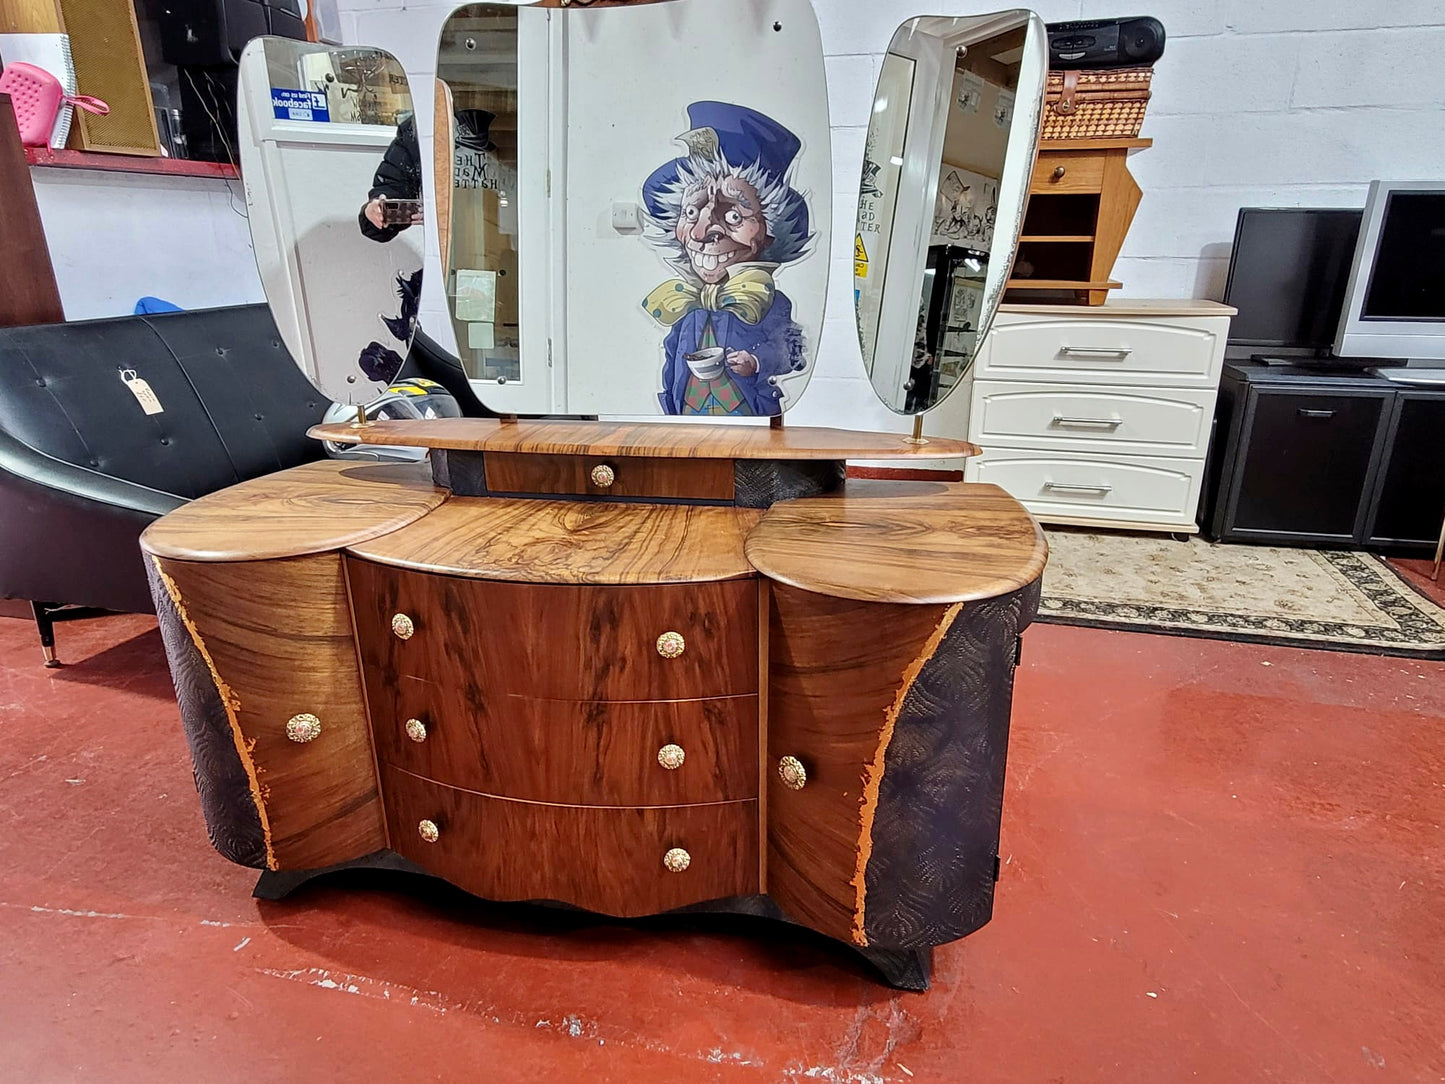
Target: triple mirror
(633, 203)
(950, 152)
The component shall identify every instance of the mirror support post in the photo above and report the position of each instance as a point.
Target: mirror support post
(917, 437)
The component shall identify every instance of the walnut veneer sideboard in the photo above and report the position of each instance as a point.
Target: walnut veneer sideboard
(626, 668)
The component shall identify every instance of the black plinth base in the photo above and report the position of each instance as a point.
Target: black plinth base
(903, 969)
(278, 884)
(907, 969)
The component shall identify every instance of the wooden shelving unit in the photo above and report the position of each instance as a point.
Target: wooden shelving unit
(1082, 200)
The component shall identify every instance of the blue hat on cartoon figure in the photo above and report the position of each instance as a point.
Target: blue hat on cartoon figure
(745, 138)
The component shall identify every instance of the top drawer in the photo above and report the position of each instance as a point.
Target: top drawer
(619, 476)
(1068, 171)
(1183, 351)
(558, 641)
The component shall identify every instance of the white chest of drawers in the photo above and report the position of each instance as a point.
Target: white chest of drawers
(1100, 416)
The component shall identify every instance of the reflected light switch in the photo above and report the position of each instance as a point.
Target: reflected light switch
(626, 218)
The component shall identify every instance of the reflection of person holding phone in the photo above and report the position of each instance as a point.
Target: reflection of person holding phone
(393, 203)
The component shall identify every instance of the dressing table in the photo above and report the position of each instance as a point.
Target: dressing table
(627, 667)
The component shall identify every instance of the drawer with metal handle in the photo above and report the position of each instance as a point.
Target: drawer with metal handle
(614, 860)
(606, 753)
(1093, 349)
(556, 641)
(1171, 421)
(1064, 487)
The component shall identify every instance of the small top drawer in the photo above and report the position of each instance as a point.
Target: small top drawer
(559, 641)
(1088, 349)
(615, 476)
(1068, 171)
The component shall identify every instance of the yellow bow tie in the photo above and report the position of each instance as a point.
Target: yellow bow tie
(748, 294)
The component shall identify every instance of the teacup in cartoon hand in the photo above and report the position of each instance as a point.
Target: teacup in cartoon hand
(742, 362)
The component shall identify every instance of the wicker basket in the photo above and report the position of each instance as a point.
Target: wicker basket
(1105, 104)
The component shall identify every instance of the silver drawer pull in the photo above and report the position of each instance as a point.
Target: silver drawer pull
(1103, 423)
(1118, 353)
(1074, 487)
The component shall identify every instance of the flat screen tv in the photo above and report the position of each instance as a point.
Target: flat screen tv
(1287, 275)
(1395, 302)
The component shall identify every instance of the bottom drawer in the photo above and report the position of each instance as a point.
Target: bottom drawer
(601, 858)
(1122, 488)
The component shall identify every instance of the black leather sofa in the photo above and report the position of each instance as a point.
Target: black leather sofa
(83, 469)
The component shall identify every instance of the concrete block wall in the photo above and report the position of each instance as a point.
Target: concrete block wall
(1256, 103)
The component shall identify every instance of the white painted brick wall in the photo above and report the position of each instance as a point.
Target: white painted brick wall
(1257, 103)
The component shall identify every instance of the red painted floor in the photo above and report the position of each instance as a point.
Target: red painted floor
(1222, 862)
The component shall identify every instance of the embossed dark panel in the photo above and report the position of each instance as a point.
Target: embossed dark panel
(232, 821)
(931, 874)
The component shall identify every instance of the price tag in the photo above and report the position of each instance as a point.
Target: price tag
(142, 392)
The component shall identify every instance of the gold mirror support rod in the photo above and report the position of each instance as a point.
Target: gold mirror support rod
(917, 437)
(361, 421)
(775, 422)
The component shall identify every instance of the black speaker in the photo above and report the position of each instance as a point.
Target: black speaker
(1106, 43)
(212, 32)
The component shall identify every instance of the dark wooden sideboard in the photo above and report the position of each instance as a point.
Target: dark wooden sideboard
(628, 668)
(1306, 454)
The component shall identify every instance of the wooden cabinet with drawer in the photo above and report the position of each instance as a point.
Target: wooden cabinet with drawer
(1100, 416)
(793, 703)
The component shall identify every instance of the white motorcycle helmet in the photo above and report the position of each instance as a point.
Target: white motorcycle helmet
(412, 399)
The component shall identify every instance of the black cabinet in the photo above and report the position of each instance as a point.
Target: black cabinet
(1310, 455)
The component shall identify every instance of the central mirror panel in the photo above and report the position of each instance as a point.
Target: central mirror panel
(948, 161)
(640, 205)
(477, 188)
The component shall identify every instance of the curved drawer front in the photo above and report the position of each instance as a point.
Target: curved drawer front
(1186, 351)
(1112, 487)
(637, 753)
(1168, 422)
(606, 860)
(558, 641)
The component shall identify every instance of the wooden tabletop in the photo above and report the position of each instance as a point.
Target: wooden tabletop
(917, 542)
(660, 439)
(314, 508)
(540, 541)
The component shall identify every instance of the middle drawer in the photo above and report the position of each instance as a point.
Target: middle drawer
(620, 753)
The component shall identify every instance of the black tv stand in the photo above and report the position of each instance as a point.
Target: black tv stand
(1321, 362)
(1326, 455)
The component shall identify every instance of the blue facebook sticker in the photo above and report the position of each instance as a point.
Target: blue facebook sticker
(300, 105)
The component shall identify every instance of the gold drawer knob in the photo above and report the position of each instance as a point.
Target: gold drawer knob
(428, 831)
(792, 773)
(671, 757)
(676, 860)
(1059, 172)
(670, 645)
(402, 626)
(416, 730)
(603, 475)
(303, 728)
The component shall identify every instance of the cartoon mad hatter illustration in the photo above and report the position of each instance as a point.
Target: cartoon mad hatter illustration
(726, 217)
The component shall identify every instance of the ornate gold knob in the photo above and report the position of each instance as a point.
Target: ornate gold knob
(303, 728)
(670, 645)
(603, 475)
(671, 757)
(1059, 172)
(416, 730)
(428, 831)
(792, 773)
(676, 860)
(402, 626)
